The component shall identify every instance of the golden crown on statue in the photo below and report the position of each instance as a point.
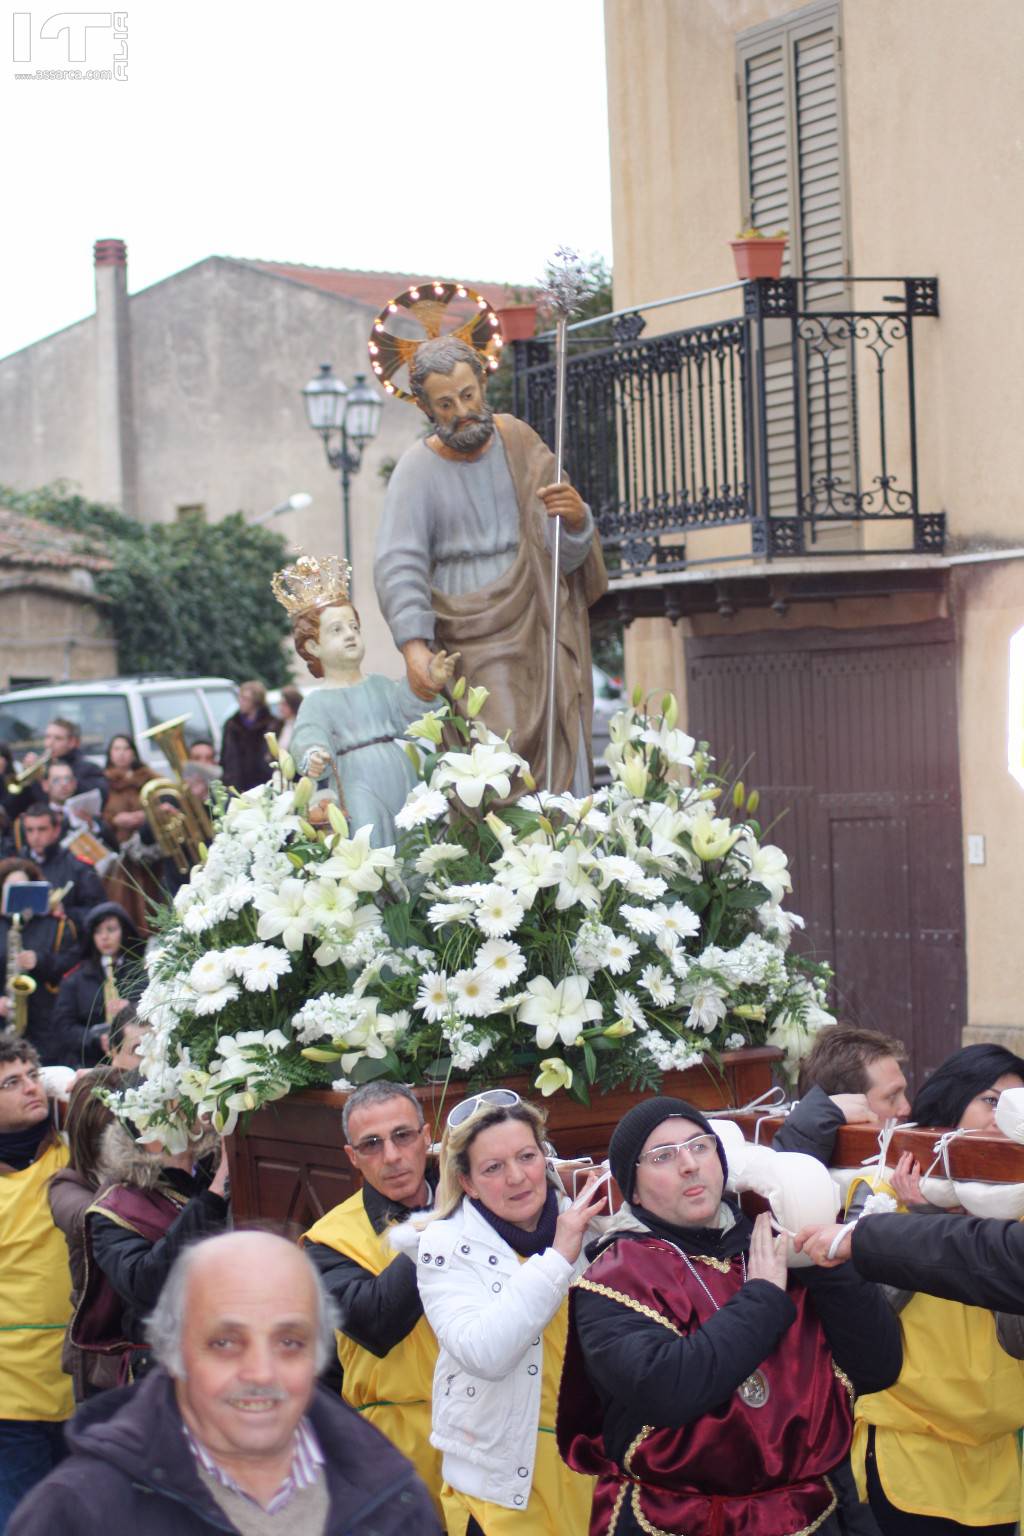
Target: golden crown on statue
(312, 583)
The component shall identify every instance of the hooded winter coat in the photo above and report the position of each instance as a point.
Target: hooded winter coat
(130, 1469)
(80, 998)
(135, 1265)
(245, 761)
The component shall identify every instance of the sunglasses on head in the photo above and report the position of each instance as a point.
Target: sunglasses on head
(491, 1098)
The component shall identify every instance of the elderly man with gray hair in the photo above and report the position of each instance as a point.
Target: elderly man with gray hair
(231, 1434)
(464, 562)
(386, 1348)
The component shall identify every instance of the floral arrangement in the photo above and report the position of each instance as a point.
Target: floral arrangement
(585, 942)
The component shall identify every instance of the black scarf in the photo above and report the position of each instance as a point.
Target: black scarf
(525, 1243)
(712, 1242)
(19, 1148)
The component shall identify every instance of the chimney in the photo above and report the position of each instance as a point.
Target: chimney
(115, 427)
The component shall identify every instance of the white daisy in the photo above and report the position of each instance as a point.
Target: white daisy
(618, 953)
(499, 913)
(260, 966)
(432, 999)
(443, 912)
(654, 981)
(473, 994)
(501, 960)
(422, 804)
(438, 853)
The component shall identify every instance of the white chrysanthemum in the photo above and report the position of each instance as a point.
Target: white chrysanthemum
(436, 854)
(501, 960)
(432, 998)
(641, 920)
(474, 995)
(618, 868)
(422, 804)
(443, 912)
(658, 985)
(498, 913)
(619, 952)
(260, 966)
(628, 1006)
(209, 973)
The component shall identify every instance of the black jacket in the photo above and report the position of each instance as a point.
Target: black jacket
(61, 868)
(130, 1470)
(972, 1259)
(811, 1127)
(55, 943)
(79, 1006)
(645, 1375)
(245, 761)
(137, 1268)
(375, 1311)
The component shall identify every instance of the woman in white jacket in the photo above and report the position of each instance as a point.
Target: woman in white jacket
(494, 1265)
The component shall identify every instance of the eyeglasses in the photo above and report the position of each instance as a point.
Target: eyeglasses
(495, 1098)
(12, 1084)
(373, 1146)
(699, 1148)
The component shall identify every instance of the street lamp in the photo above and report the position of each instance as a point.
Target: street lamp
(346, 419)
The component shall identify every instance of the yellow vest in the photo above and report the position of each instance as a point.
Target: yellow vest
(35, 1295)
(946, 1433)
(393, 1392)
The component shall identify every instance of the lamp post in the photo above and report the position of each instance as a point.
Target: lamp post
(346, 419)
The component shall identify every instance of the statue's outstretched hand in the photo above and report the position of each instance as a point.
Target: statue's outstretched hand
(442, 668)
(418, 660)
(316, 762)
(564, 501)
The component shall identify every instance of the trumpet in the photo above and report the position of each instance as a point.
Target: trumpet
(18, 987)
(179, 822)
(25, 776)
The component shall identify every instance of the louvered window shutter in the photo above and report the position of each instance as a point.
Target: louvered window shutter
(791, 132)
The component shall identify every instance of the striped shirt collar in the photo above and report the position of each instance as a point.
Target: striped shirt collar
(307, 1460)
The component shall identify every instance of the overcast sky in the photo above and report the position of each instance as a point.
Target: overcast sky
(468, 139)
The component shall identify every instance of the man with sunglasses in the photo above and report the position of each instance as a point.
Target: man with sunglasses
(386, 1349)
(35, 1285)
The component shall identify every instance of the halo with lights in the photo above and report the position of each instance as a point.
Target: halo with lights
(428, 304)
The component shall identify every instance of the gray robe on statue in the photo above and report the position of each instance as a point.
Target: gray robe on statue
(370, 775)
(453, 530)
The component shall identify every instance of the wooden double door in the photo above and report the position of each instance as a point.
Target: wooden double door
(851, 737)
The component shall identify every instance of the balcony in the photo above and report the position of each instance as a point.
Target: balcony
(782, 434)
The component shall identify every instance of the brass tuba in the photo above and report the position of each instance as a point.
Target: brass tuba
(179, 822)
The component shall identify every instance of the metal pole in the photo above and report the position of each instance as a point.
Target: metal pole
(556, 547)
(346, 483)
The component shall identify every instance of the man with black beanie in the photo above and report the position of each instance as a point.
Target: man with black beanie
(705, 1387)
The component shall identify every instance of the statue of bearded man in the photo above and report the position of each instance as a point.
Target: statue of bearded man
(463, 563)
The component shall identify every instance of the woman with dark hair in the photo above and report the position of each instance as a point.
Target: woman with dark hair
(494, 1265)
(288, 707)
(48, 946)
(245, 760)
(938, 1451)
(706, 1386)
(133, 884)
(108, 975)
(72, 1190)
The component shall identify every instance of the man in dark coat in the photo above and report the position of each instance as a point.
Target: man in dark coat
(40, 830)
(245, 761)
(63, 741)
(233, 1434)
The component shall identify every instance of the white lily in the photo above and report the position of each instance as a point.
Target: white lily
(362, 867)
(284, 913)
(483, 767)
(559, 1012)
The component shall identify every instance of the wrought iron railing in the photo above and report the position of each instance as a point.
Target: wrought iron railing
(796, 420)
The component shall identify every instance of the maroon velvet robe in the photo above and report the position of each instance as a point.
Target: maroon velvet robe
(739, 1471)
(97, 1325)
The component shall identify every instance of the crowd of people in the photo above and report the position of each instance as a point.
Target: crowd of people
(466, 1345)
(107, 868)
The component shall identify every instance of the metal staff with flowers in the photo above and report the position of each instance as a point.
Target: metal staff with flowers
(588, 943)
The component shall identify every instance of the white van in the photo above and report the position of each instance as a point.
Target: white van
(120, 706)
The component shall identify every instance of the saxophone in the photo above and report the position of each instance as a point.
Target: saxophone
(18, 987)
(109, 987)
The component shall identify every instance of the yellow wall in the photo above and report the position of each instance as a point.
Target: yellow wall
(989, 600)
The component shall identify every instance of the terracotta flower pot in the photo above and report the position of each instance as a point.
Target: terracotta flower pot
(518, 322)
(758, 258)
